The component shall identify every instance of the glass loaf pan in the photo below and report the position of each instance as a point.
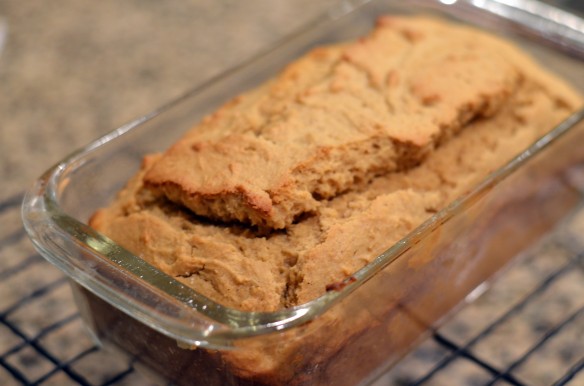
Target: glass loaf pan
(349, 335)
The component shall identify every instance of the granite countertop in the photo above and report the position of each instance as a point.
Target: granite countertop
(72, 71)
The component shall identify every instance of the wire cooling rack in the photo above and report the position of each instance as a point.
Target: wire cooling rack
(526, 329)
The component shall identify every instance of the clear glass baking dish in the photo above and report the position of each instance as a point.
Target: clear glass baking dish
(349, 335)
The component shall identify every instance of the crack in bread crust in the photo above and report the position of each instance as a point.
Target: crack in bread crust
(374, 106)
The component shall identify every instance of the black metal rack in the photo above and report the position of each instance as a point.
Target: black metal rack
(43, 341)
(505, 375)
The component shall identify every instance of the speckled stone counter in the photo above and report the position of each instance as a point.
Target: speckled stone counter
(71, 71)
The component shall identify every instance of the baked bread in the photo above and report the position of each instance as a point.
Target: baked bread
(363, 141)
(292, 187)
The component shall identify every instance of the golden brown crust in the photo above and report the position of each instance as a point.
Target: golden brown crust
(340, 115)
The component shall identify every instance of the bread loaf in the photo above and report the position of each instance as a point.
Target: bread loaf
(297, 184)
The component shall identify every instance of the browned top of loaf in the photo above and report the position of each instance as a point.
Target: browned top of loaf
(237, 267)
(338, 116)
